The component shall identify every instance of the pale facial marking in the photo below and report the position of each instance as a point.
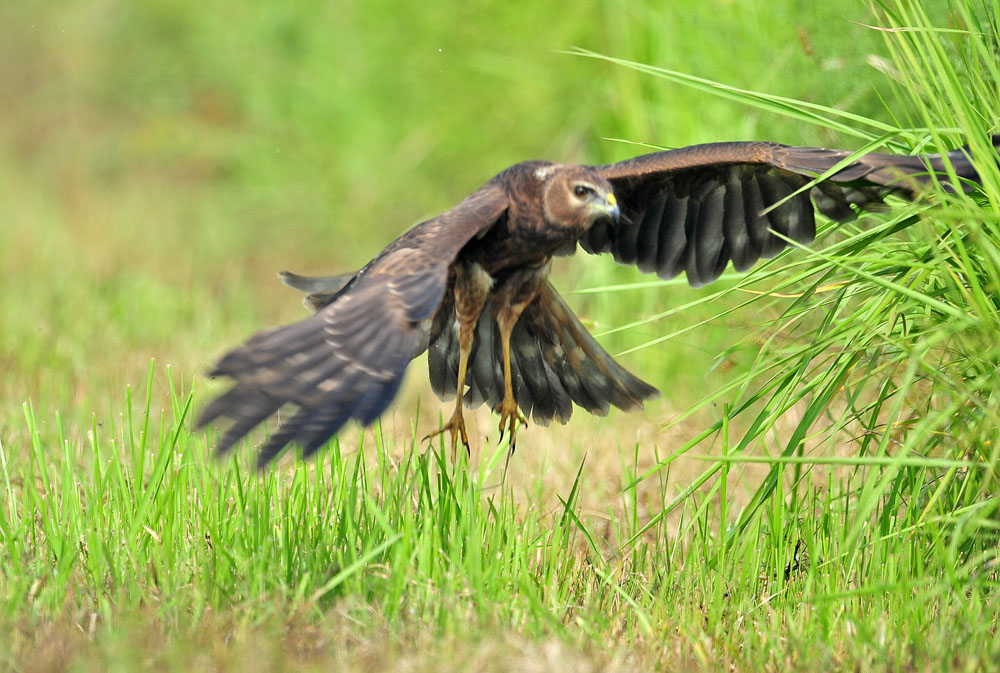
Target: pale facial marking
(544, 172)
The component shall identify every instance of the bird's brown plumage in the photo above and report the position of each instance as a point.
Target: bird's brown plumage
(694, 209)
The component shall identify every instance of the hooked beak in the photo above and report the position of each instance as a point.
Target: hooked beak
(609, 208)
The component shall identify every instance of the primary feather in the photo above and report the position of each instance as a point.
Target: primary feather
(693, 210)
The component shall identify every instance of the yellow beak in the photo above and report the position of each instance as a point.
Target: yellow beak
(611, 207)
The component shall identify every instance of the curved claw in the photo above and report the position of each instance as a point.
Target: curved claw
(510, 415)
(455, 426)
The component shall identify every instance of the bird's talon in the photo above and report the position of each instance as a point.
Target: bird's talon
(510, 416)
(456, 428)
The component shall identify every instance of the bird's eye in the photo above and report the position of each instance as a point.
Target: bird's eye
(582, 191)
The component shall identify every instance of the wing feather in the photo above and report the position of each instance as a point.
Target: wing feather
(673, 236)
(648, 234)
(715, 203)
(708, 234)
(347, 361)
(741, 247)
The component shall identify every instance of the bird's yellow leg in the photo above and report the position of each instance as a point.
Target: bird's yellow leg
(509, 413)
(510, 300)
(472, 286)
(456, 425)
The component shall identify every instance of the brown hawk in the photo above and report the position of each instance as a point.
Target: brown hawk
(471, 285)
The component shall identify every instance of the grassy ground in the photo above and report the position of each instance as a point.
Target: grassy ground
(159, 161)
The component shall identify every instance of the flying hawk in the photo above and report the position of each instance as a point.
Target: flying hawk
(471, 285)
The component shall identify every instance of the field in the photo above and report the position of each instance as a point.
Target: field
(817, 488)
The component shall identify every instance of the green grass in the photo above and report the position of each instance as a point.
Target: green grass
(818, 490)
(135, 528)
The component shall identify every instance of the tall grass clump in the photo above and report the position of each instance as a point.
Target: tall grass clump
(877, 380)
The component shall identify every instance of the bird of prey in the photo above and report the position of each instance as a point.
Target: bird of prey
(471, 285)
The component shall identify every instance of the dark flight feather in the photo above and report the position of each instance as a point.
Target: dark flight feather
(764, 174)
(694, 209)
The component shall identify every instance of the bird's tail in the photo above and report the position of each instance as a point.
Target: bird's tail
(555, 362)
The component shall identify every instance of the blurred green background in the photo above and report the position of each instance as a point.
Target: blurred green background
(161, 160)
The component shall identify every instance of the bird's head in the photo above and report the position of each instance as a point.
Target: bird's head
(575, 197)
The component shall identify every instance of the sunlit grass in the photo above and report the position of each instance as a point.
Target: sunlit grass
(817, 491)
(137, 522)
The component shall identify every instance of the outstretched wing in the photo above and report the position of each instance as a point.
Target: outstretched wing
(347, 360)
(694, 209)
(554, 363)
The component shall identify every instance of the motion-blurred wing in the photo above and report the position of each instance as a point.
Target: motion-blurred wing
(347, 360)
(694, 209)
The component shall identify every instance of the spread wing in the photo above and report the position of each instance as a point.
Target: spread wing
(554, 362)
(694, 209)
(347, 360)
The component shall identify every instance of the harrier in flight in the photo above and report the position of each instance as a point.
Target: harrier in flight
(471, 285)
